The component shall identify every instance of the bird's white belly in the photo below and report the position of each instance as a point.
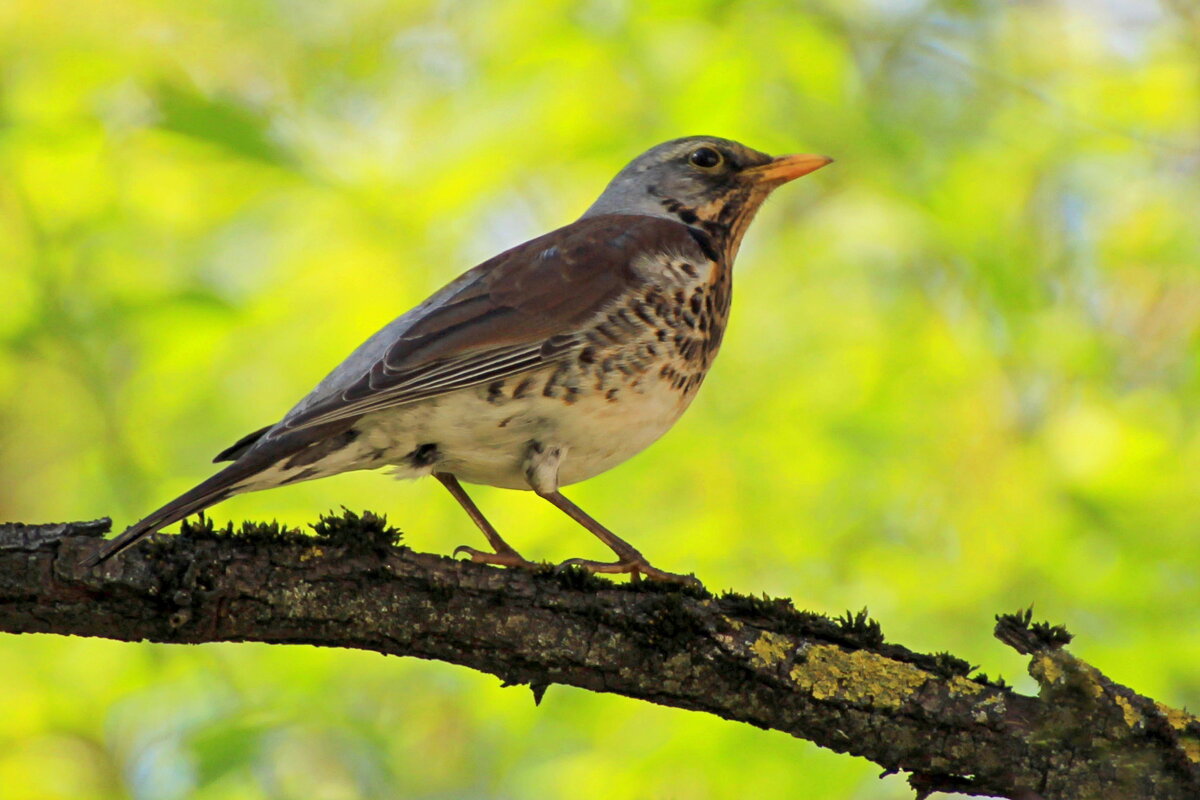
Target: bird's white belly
(484, 441)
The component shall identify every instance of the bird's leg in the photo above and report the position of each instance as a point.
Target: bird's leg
(504, 555)
(542, 472)
(628, 558)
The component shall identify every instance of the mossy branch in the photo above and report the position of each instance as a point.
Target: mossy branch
(835, 682)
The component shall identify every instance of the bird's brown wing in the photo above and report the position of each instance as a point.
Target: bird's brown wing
(513, 313)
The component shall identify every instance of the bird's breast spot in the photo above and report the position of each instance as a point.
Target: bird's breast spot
(424, 455)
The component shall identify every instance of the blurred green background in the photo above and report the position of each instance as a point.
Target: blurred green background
(961, 375)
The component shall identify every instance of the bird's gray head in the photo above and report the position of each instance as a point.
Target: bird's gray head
(709, 183)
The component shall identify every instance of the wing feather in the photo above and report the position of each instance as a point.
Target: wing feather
(519, 311)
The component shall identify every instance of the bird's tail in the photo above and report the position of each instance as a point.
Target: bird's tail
(212, 491)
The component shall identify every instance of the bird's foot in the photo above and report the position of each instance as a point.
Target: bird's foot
(636, 568)
(503, 558)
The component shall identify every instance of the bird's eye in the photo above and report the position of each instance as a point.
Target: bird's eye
(705, 158)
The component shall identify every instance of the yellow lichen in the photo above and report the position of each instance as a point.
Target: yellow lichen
(1179, 720)
(1046, 669)
(1060, 666)
(311, 553)
(857, 676)
(1176, 718)
(770, 649)
(960, 686)
(994, 700)
(1131, 714)
(984, 708)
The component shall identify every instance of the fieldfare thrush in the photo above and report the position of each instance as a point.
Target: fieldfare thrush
(543, 366)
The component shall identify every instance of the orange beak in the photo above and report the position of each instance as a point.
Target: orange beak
(788, 168)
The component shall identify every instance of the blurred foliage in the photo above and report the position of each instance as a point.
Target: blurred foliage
(961, 375)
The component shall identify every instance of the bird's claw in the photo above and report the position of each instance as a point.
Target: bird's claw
(636, 568)
(504, 558)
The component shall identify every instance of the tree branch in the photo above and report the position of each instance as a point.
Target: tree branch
(833, 682)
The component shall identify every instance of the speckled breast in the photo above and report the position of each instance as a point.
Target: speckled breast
(633, 373)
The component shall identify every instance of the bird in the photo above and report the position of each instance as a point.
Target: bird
(544, 366)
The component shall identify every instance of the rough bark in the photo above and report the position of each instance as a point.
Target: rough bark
(833, 682)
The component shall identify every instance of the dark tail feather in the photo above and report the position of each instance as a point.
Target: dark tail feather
(210, 492)
(238, 448)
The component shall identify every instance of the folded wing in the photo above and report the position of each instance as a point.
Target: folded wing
(523, 309)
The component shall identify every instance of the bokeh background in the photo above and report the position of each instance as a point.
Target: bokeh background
(961, 376)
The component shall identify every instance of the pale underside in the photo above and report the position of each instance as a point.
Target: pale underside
(598, 407)
(487, 442)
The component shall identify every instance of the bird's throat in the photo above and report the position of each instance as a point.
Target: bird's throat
(720, 224)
